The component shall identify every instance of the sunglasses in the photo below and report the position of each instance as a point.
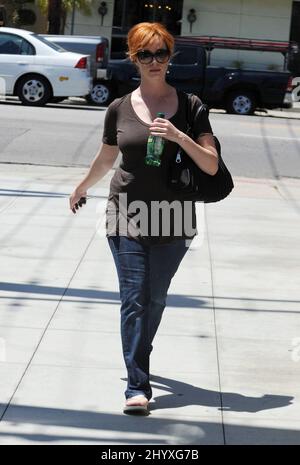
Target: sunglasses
(146, 57)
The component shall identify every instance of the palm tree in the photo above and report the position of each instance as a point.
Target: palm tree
(57, 11)
(54, 16)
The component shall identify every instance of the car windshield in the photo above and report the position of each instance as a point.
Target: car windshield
(50, 44)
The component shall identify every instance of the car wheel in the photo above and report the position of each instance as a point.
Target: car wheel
(241, 103)
(34, 90)
(101, 93)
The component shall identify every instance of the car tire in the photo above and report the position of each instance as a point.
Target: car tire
(34, 90)
(241, 102)
(57, 99)
(101, 94)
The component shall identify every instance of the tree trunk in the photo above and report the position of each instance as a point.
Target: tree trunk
(63, 20)
(54, 16)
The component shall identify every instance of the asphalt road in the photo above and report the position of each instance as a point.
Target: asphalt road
(69, 134)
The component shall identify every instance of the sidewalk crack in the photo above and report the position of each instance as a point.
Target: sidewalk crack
(215, 325)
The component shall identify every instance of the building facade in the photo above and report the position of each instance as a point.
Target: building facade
(256, 19)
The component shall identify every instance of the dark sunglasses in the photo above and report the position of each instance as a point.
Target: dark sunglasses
(146, 57)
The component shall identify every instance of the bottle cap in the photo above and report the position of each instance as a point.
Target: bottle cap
(160, 115)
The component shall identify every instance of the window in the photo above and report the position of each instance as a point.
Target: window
(27, 48)
(127, 13)
(294, 58)
(295, 22)
(11, 44)
(50, 44)
(185, 56)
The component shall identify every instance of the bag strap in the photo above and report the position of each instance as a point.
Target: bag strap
(189, 115)
(202, 107)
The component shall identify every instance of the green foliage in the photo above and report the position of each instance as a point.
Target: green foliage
(83, 5)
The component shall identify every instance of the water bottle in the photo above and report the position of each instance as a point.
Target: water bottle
(155, 146)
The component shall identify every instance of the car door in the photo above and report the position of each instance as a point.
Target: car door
(16, 55)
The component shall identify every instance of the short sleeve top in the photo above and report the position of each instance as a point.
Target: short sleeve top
(140, 182)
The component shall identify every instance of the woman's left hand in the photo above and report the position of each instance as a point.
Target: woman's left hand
(164, 128)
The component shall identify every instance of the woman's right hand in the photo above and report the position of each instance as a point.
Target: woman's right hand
(75, 197)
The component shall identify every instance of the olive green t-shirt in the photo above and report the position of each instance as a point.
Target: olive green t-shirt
(140, 204)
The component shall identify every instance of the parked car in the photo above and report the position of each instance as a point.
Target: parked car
(95, 46)
(238, 91)
(39, 72)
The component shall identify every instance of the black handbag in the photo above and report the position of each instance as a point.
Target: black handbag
(189, 181)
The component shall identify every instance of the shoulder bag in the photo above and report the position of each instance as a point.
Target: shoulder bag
(190, 181)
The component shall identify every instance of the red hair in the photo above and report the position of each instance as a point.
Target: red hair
(142, 33)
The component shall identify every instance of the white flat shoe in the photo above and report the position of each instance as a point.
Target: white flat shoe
(138, 407)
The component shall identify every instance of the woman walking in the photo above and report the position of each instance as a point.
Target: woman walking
(147, 247)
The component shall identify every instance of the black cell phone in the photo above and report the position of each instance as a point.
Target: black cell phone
(81, 201)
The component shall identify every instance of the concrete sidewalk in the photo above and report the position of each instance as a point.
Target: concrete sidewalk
(226, 360)
(293, 113)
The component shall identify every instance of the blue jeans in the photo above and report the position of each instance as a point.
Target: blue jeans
(145, 273)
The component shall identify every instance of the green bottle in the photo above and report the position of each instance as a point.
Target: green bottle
(155, 146)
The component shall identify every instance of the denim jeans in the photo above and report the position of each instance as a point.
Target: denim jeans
(145, 273)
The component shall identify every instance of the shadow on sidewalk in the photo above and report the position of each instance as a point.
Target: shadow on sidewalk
(110, 428)
(93, 295)
(184, 394)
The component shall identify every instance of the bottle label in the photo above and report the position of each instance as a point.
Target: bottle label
(150, 145)
(155, 145)
(158, 146)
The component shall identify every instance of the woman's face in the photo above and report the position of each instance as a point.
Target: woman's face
(153, 67)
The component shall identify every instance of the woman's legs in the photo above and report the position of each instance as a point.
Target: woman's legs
(132, 263)
(144, 276)
(164, 262)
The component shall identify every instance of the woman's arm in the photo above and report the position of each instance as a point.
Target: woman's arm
(102, 163)
(203, 151)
